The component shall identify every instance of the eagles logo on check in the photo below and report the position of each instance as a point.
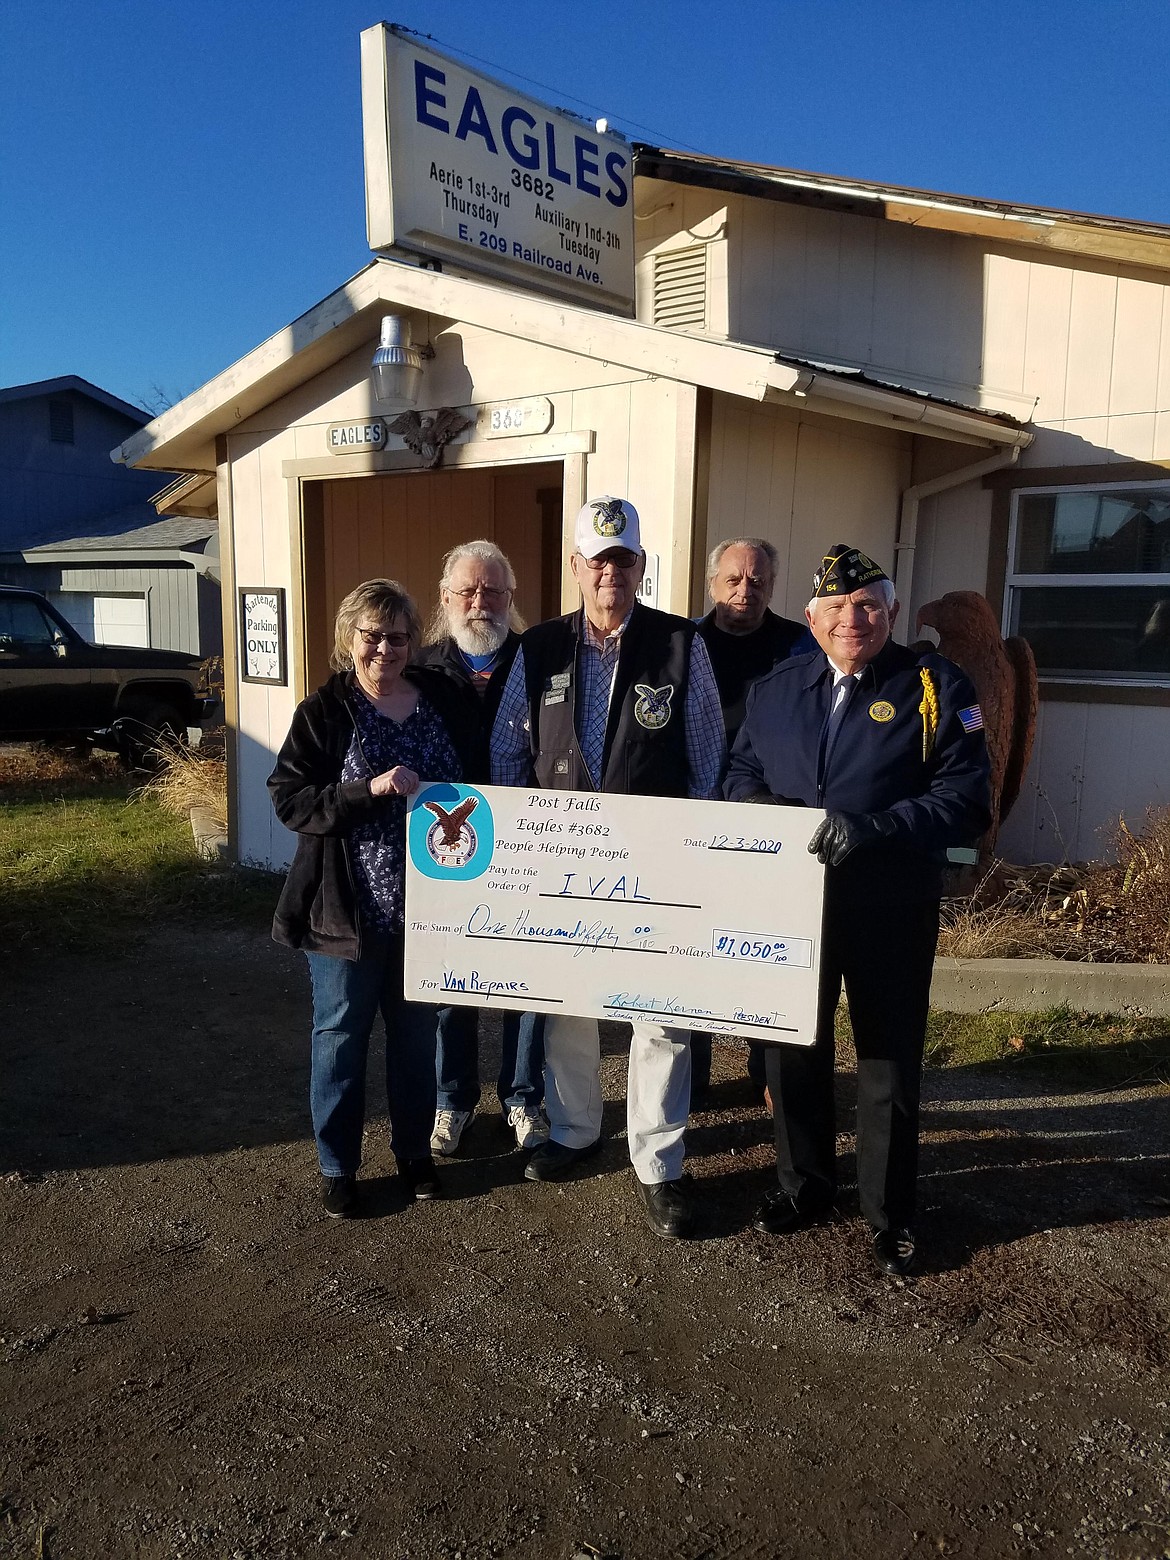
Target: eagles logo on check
(652, 707)
(451, 840)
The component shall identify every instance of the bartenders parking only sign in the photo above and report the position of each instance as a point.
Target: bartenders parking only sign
(459, 166)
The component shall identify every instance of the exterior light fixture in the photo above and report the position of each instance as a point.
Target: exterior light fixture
(397, 369)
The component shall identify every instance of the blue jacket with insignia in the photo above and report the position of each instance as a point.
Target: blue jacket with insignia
(873, 761)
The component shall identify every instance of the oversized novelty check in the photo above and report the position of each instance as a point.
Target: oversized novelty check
(702, 915)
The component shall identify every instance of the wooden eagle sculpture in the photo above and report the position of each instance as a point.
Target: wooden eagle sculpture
(427, 434)
(452, 822)
(1004, 674)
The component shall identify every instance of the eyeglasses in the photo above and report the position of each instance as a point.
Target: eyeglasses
(373, 637)
(620, 557)
(488, 592)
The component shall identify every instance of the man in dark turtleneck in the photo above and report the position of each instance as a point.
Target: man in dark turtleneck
(744, 639)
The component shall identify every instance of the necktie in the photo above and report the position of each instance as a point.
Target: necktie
(840, 696)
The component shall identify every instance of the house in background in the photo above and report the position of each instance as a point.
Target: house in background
(86, 534)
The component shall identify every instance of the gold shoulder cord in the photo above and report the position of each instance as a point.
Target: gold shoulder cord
(928, 709)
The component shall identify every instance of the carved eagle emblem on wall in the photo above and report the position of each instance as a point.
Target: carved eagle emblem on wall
(426, 434)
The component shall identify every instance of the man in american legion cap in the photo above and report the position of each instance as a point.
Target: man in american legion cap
(614, 697)
(890, 743)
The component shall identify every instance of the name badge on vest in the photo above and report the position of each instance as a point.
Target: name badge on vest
(556, 688)
(652, 708)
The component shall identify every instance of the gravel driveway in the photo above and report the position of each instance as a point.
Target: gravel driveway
(196, 1362)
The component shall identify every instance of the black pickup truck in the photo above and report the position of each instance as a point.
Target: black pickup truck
(55, 685)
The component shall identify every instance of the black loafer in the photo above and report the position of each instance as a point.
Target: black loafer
(420, 1178)
(554, 1161)
(778, 1214)
(339, 1196)
(667, 1208)
(894, 1252)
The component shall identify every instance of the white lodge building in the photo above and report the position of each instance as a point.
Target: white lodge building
(977, 394)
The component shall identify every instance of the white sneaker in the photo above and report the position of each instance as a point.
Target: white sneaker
(450, 1126)
(530, 1127)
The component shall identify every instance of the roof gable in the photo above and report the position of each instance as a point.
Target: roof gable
(79, 386)
(183, 438)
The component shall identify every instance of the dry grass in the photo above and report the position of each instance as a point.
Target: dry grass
(190, 778)
(1104, 912)
(1122, 909)
(34, 767)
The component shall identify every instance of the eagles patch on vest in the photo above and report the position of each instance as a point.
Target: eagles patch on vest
(609, 518)
(652, 708)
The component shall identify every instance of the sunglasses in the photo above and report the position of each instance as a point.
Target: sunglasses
(373, 637)
(620, 557)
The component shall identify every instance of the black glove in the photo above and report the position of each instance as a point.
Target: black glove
(772, 800)
(841, 833)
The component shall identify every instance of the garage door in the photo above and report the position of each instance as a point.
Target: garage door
(106, 620)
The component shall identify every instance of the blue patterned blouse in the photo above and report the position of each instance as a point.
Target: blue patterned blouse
(378, 849)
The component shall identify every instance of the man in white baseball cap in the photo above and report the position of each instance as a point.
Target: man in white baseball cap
(616, 697)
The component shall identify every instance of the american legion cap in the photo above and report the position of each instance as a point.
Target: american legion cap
(843, 570)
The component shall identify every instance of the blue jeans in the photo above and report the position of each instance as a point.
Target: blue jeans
(347, 994)
(521, 1080)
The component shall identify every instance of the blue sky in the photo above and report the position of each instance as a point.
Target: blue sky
(178, 181)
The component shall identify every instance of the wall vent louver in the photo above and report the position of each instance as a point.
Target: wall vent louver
(60, 420)
(680, 288)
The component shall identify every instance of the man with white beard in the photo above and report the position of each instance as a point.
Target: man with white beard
(472, 636)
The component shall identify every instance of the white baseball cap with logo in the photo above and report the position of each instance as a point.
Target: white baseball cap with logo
(604, 523)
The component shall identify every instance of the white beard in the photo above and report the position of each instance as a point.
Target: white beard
(479, 635)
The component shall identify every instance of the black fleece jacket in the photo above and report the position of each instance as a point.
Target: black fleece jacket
(317, 910)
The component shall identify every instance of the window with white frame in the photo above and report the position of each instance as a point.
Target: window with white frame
(1088, 582)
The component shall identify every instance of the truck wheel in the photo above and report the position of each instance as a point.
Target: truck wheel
(146, 728)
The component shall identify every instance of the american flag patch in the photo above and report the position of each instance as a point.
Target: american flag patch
(972, 718)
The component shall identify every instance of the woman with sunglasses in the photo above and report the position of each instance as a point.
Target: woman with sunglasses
(356, 749)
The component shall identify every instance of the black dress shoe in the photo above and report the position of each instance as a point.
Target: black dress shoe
(667, 1209)
(778, 1214)
(894, 1252)
(420, 1178)
(339, 1196)
(554, 1161)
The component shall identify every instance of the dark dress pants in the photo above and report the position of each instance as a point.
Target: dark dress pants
(884, 953)
(701, 1062)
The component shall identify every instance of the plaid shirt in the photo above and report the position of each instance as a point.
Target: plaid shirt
(597, 661)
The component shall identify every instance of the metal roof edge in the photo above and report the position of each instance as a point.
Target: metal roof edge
(874, 192)
(141, 555)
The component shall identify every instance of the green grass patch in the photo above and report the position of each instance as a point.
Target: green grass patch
(83, 859)
(1089, 1050)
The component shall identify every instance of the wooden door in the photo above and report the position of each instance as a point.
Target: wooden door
(400, 526)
